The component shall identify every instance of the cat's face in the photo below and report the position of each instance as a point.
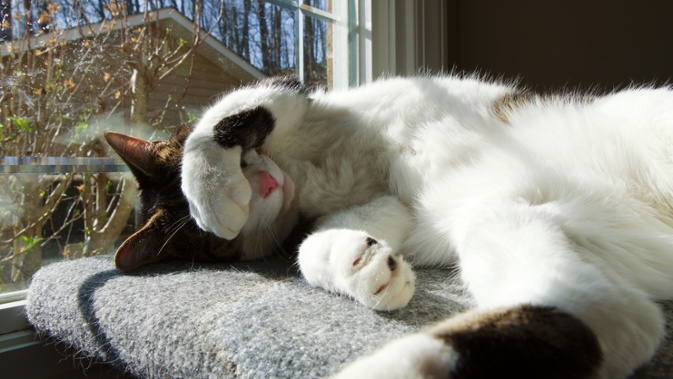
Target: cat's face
(166, 229)
(273, 212)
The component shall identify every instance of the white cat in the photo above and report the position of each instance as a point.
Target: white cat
(558, 213)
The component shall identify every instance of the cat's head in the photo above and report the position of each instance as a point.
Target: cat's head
(167, 231)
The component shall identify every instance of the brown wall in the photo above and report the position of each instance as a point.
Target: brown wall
(207, 83)
(551, 44)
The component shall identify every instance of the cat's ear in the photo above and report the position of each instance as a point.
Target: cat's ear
(141, 156)
(141, 248)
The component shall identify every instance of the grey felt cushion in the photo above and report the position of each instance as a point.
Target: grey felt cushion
(250, 320)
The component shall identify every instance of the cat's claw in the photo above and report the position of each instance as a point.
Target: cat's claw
(353, 263)
(216, 190)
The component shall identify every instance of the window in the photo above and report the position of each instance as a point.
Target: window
(365, 39)
(71, 70)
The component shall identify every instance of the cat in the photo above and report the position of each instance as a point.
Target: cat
(557, 213)
(166, 230)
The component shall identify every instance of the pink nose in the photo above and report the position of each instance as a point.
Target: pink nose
(269, 184)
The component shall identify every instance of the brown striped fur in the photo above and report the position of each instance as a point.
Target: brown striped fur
(521, 342)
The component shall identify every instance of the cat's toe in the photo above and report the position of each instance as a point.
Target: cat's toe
(397, 291)
(392, 263)
(380, 279)
(225, 220)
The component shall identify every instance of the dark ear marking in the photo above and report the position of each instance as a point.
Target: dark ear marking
(138, 154)
(247, 129)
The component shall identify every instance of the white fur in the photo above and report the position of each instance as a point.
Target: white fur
(340, 260)
(416, 356)
(214, 174)
(569, 204)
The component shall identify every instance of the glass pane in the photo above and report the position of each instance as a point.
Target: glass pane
(272, 40)
(49, 213)
(324, 5)
(68, 75)
(318, 57)
(71, 71)
(265, 35)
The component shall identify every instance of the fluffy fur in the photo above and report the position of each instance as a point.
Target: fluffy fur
(561, 205)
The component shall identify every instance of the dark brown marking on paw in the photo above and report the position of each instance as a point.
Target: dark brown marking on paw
(247, 129)
(392, 263)
(371, 241)
(378, 291)
(523, 342)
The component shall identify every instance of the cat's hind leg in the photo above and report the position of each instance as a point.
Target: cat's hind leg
(513, 342)
(542, 310)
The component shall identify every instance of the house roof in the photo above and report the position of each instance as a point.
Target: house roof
(180, 26)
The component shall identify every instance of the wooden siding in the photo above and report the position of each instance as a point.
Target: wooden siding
(206, 84)
(209, 79)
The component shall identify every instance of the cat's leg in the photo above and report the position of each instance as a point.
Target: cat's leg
(354, 253)
(212, 178)
(542, 310)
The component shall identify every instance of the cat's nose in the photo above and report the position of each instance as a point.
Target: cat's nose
(269, 184)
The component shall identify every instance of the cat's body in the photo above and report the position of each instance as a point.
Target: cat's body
(557, 213)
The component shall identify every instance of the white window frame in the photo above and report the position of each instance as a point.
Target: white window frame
(395, 37)
(409, 37)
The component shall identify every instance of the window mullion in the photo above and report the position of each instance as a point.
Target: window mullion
(299, 44)
(353, 32)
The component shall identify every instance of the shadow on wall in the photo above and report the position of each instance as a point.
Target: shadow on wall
(603, 44)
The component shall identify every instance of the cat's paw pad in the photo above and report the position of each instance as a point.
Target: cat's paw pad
(216, 190)
(353, 263)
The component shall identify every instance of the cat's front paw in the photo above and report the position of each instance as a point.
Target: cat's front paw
(353, 263)
(216, 190)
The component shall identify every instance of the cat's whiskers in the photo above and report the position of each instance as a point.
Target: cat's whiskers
(182, 221)
(278, 247)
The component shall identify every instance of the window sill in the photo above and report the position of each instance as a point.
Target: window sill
(12, 317)
(24, 355)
